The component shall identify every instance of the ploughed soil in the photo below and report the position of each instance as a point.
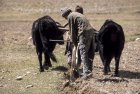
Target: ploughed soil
(128, 81)
(19, 73)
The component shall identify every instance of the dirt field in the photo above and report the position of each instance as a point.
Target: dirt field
(127, 83)
(19, 73)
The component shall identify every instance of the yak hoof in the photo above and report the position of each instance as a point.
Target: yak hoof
(50, 65)
(46, 67)
(41, 70)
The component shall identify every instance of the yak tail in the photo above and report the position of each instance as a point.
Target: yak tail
(53, 57)
(34, 31)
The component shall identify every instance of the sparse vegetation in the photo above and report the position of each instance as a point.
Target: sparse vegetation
(18, 57)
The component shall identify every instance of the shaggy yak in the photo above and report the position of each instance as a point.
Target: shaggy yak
(45, 29)
(111, 41)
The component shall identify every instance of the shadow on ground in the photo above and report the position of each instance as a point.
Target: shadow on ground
(129, 74)
(123, 74)
(60, 68)
(115, 80)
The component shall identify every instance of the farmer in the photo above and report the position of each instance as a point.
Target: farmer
(82, 35)
(79, 9)
(69, 46)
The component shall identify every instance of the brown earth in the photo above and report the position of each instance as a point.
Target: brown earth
(127, 83)
(18, 57)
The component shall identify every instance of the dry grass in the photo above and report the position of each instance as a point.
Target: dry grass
(18, 57)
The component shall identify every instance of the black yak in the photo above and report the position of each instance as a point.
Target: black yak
(45, 29)
(111, 41)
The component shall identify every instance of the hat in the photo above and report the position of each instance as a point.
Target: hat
(65, 11)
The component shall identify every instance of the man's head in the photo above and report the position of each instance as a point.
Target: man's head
(65, 12)
(79, 9)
